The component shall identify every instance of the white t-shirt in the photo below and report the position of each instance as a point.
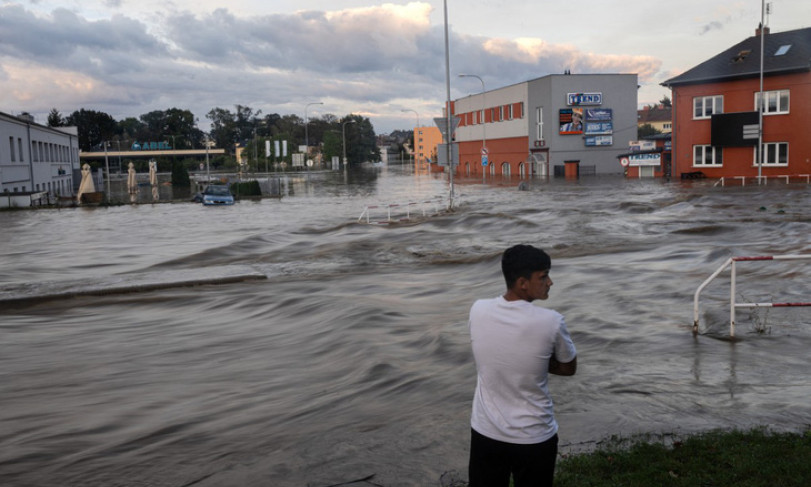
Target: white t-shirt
(512, 343)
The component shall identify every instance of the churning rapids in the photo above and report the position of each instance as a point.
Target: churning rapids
(314, 350)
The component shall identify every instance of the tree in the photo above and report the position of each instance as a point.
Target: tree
(665, 102)
(646, 130)
(361, 142)
(55, 118)
(332, 145)
(131, 129)
(222, 127)
(94, 127)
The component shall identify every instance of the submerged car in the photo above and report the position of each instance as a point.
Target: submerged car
(216, 195)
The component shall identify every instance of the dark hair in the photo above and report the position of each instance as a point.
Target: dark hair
(522, 261)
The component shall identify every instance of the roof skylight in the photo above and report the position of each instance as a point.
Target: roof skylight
(782, 50)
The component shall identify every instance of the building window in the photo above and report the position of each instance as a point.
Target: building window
(667, 126)
(776, 102)
(782, 50)
(539, 123)
(11, 147)
(774, 154)
(509, 112)
(20, 146)
(707, 155)
(705, 106)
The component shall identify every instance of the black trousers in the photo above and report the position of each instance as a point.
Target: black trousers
(492, 462)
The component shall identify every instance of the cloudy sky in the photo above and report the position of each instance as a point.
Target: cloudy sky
(380, 60)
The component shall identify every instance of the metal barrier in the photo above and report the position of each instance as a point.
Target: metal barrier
(406, 208)
(722, 180)
(732, 304)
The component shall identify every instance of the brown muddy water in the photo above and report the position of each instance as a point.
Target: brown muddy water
(314, 350)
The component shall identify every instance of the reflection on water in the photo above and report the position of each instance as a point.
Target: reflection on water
(351, 357)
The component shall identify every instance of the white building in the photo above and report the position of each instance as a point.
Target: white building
(35, 158)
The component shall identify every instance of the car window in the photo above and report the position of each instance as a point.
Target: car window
(218, 190)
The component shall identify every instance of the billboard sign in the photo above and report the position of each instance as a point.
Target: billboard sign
(599, 128)
(599, 140)
(598, 114)
(645, 159)
(570, 121)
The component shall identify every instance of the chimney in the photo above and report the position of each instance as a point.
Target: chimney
(765, 31)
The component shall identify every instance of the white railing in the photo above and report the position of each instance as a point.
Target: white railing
(765, 179)
(732, 304)
(398, 212)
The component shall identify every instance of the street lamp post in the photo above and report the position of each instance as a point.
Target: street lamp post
(306, 134)
(107, 166)
(484, 115)
(417, 127)
(343, 138)
(449, 129)
(208, 171)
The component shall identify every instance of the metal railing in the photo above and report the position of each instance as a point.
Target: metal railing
(399, 212)
(732, 304)
(765, 179)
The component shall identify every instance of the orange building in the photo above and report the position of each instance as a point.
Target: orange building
(426, 140)
(715, 110)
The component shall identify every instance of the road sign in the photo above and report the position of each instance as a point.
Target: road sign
(442, 123)
(484, 160)
(485, 151)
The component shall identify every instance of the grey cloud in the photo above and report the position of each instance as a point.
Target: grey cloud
(714, 25)
(69, 41)
(268, 62)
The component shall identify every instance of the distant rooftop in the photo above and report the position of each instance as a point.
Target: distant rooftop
(659, 113)
(786, 52)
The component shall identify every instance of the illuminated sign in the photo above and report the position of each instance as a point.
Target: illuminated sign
(577, 99)
(150, 146)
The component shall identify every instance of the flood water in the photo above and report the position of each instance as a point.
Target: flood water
(344, 352)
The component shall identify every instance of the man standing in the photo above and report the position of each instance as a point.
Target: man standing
(516, 345)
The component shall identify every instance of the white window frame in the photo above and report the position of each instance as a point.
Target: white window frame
(775, 101)
(707, 105)
(539, 122)
(771, 151)
(702, 153)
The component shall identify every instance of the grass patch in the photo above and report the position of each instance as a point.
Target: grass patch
(755, 458)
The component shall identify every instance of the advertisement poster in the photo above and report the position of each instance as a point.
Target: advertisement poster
(599, 128)
(599, 140)
(571, 121)
(598, 114)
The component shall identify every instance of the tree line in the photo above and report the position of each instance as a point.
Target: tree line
(243, 126)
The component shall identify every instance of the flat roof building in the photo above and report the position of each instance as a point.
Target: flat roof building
(37, 158)
(540, 127)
